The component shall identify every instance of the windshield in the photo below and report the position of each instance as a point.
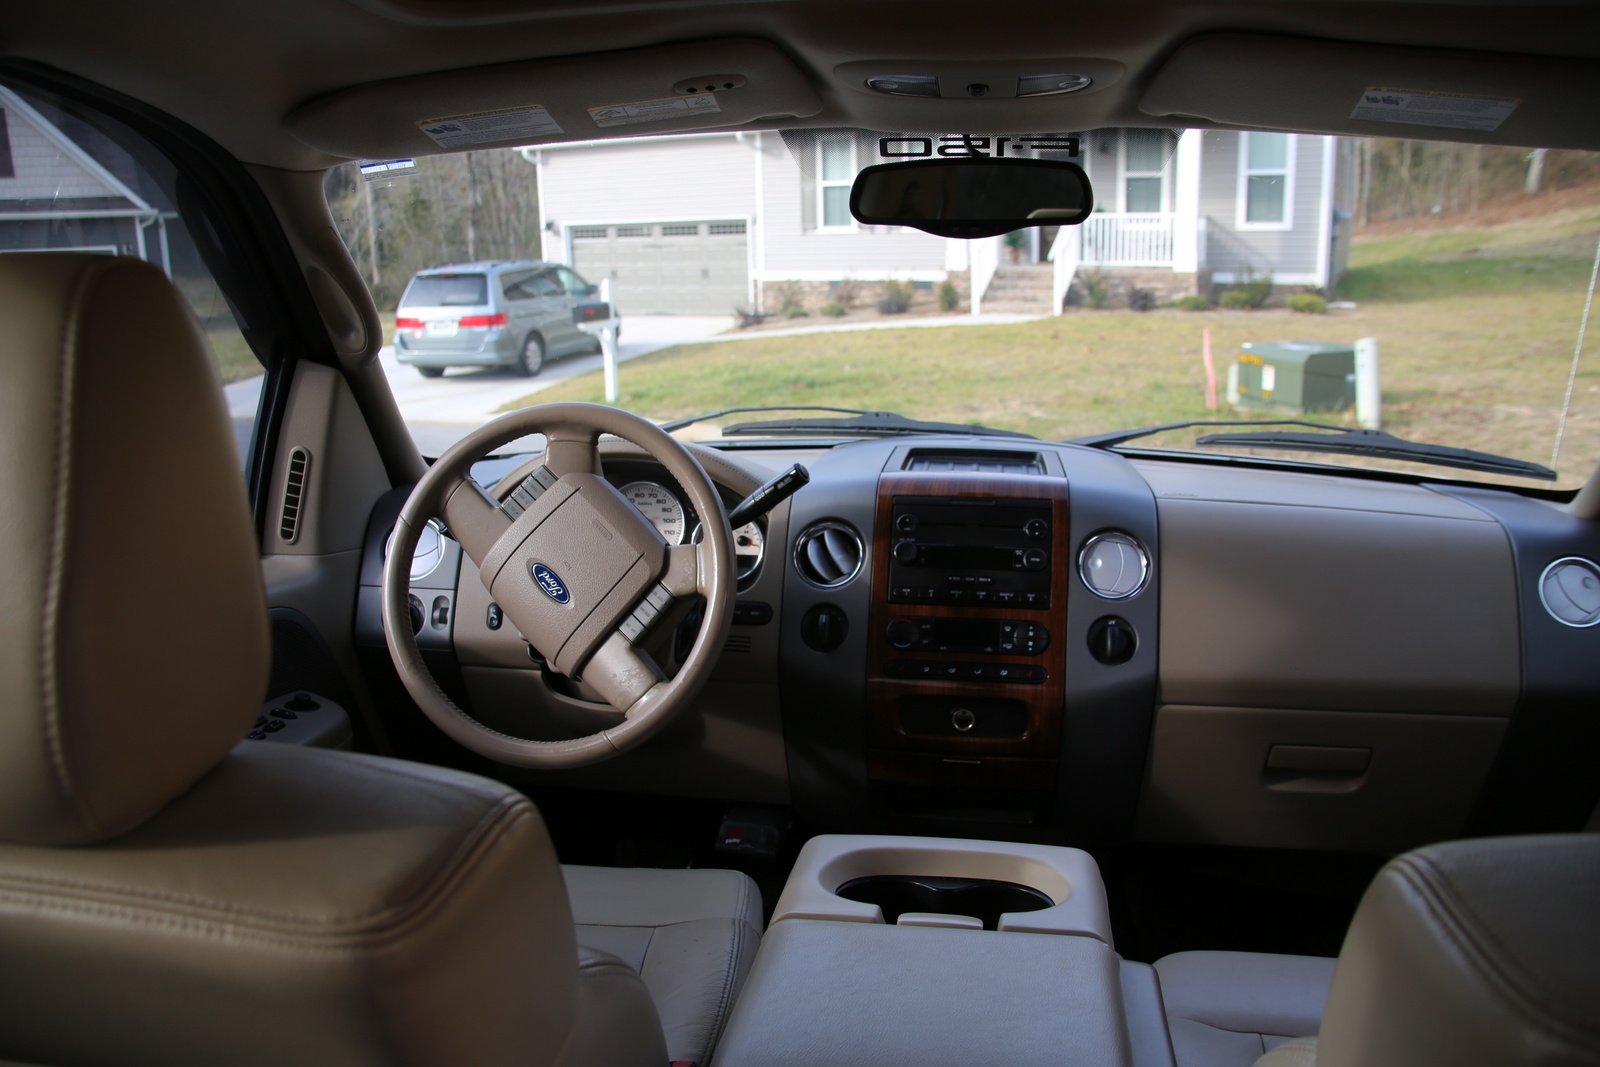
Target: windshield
(1435, 292)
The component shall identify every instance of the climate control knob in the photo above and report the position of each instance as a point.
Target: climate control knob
(901, 632)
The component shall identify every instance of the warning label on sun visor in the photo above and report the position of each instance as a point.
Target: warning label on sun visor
(1455, 110)
(671, 107)
(483, 127)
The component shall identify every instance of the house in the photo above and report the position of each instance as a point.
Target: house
(64, 191)
(729, 219)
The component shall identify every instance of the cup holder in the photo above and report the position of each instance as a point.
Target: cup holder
(982, 898)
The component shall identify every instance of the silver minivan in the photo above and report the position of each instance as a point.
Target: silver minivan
(502, 313)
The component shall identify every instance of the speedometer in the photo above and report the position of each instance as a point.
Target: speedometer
(748, 545)
(658, 504)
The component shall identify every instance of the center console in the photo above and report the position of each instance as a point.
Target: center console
(965, 658)
(839, 981)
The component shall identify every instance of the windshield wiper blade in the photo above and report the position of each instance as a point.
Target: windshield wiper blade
(869, 423)
(678, 424)
(1382, 445)
(1117, 437)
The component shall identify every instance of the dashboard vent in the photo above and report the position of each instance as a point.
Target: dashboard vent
(978, 461)
(828, 554)
(294, 490)
(739, 643)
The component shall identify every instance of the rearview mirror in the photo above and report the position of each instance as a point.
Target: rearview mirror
(972, 197)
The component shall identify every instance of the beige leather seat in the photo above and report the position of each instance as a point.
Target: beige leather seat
(1464, 953)
(171, 896)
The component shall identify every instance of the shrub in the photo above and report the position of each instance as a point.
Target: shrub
(949, 296)
(1236, 300)
(791, 298)
(1308, 304)
(1141, 299)
(896, 297)
(1256, 287)
(833, 310)
(846, 293)
(1192, 302)
(1096, 290)
(796, 313)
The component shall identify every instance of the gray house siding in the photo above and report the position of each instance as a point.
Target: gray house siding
(796, 248)
(1291, 255)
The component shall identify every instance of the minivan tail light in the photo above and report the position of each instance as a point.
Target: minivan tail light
(483, 320)
(408, 324)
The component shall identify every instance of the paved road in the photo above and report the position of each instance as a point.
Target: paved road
(440, 411)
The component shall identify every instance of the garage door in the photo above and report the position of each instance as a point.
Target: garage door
(676, 268)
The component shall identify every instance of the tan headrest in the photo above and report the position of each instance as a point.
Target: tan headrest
(133, 630)
(1473, 952)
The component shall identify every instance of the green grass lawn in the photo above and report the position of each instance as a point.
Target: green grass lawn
(1476, 331)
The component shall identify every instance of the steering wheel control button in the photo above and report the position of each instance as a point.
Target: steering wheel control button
(527, 491)
(301, 702)
(1112, 641)
(274, 725)
(1114, 565)
(282, 713)
(963, 719)
(824, 628)
(495, 618)
(645, 614)
(1570, 591)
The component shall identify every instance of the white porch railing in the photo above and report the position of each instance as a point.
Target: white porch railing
(1065, 253)
(983, 260)
(1110, 240)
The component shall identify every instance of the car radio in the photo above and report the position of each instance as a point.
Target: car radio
(970, 550)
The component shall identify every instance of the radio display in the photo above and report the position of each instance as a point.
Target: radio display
(968, 633)
(967, 557)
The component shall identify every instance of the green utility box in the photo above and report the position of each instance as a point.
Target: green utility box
(1294, 376)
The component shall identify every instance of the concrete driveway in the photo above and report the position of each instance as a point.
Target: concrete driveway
(440, 411)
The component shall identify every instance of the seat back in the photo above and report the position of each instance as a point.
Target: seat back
(168, 894)
(1473, 952)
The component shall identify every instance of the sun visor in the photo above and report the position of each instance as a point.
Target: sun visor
(1287, 83)
(702, 85)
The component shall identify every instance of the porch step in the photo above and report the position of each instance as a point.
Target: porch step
(1020, 291)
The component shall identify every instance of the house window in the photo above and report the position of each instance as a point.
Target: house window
(1144, 160)
(836, 171)
(1266, 180)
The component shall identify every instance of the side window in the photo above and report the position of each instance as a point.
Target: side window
(572, 283)
(516, 286)
(544, 284)
(72, 179)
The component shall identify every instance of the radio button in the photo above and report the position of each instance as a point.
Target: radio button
(1036, 528)
(906, 523)
(906, 552)
(1006, 598)
(1034, 559)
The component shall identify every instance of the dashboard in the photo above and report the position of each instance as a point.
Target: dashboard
(1052, 643)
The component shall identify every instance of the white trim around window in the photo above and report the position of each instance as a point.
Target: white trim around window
(835, 190)
(1161, 176)
(1268, 165)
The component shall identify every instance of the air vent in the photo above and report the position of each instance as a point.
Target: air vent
(294, 490)
(975, 460)
(739, 643)
(828, 554)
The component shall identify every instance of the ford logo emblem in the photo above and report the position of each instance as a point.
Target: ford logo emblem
(551, 583)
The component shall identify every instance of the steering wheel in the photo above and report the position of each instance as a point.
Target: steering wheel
(579, 571)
